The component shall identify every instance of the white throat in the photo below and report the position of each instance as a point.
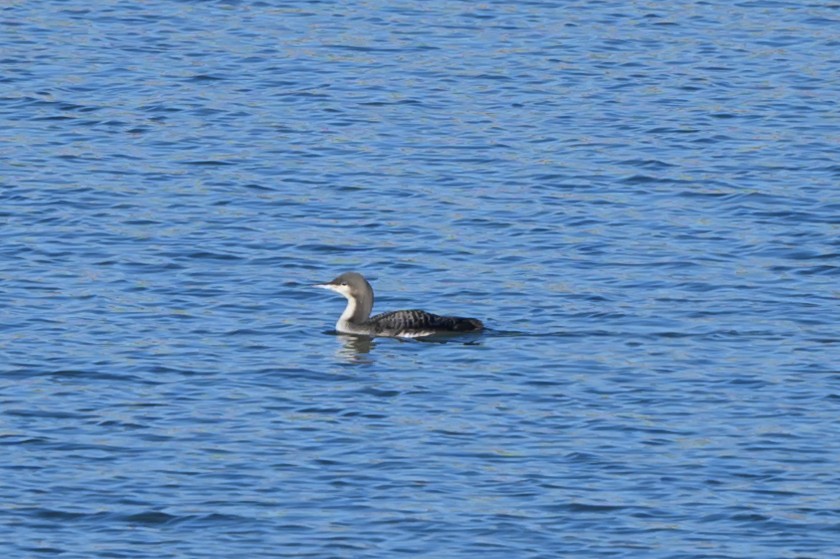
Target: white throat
(344, 320)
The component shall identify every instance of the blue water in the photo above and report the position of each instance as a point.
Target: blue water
(640, 199)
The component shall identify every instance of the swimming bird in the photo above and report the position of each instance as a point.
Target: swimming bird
(356, 317)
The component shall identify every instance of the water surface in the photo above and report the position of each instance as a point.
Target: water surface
(639, 199)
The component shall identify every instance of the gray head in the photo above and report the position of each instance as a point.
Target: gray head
(349, 284)
(357, 290)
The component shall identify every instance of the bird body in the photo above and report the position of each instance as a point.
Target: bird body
(356, 317)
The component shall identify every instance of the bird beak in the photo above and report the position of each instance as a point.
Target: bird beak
(325, 286)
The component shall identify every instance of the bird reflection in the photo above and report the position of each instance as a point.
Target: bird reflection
(356, 348)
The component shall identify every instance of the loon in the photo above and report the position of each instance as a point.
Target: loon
(356, 317)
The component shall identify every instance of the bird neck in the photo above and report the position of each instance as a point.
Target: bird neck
(358, 309)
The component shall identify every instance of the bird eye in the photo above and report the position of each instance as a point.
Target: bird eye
(344, 283)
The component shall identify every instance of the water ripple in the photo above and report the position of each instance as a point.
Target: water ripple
(640, 201)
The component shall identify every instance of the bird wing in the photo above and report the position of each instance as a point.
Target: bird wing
(412, 322)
